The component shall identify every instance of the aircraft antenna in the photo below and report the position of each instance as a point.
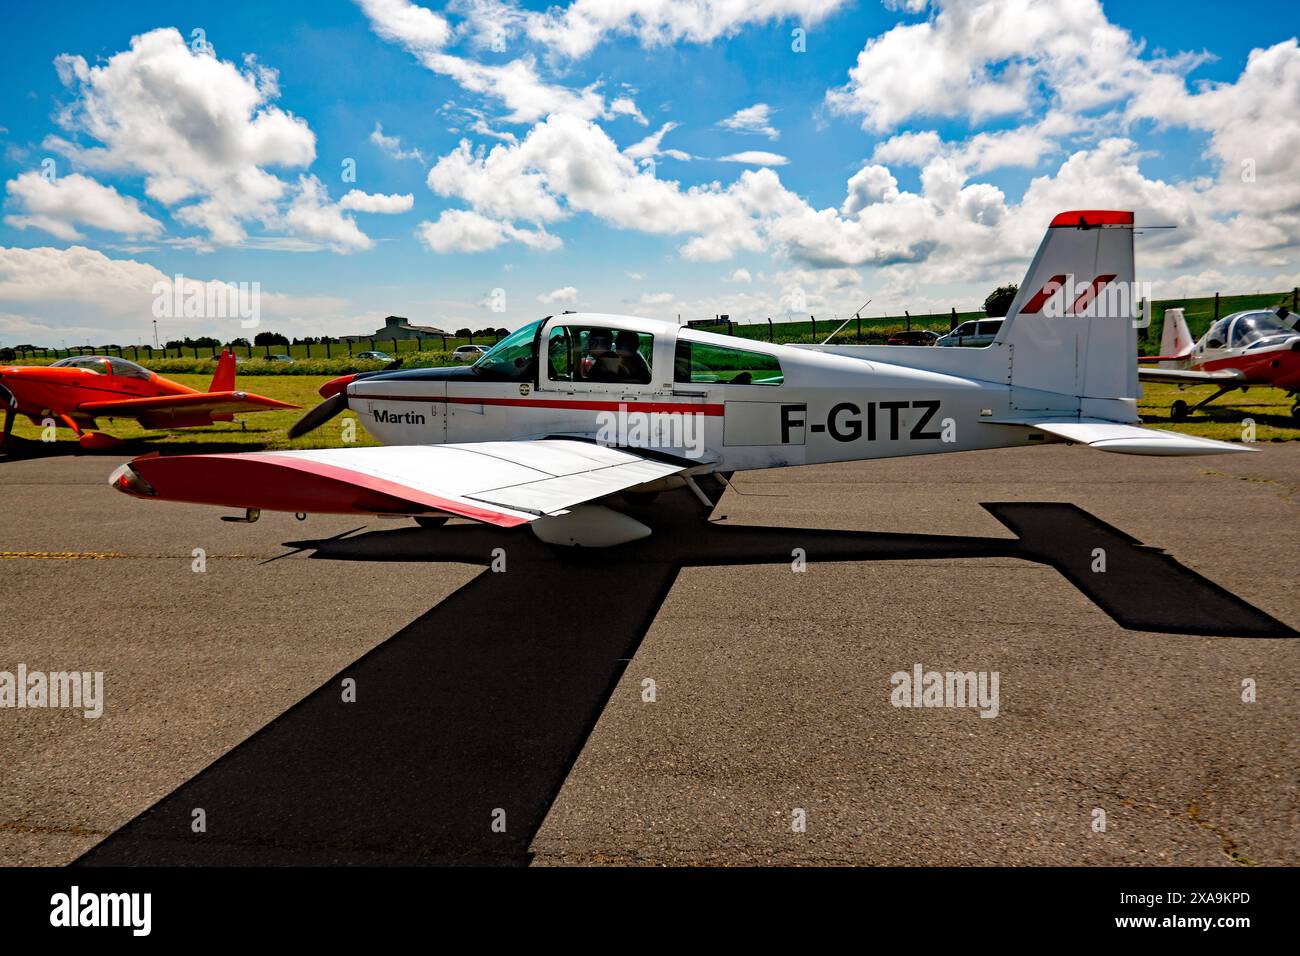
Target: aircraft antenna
(846, 322)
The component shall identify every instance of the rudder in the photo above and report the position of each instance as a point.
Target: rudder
(224, 378)
(1071, 328)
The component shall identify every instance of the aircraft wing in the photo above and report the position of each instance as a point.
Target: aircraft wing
(1124, 439)
(504, 483)
(195, 403)
(1182, 376)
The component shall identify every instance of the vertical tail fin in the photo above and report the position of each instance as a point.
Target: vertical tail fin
(1071, 329)
(224, 379)
(1176, 339)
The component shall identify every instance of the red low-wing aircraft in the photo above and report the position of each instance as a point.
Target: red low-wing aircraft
(1253, 348)
(76, 391)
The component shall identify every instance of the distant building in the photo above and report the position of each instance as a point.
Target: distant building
(397, 327)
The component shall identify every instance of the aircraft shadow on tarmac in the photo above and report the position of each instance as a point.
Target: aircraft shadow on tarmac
(484, 702)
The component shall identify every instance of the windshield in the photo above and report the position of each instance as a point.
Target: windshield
(91, 363)
(513, 356)
(1256, 327)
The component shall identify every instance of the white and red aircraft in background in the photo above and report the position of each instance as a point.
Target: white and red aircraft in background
(574, 409)
(1254, 348)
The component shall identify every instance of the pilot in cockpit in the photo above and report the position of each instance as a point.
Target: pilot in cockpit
(601, 363)
(632, 366)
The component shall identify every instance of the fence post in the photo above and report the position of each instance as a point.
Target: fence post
(419, 343)
(268, 350)
(1216, 307)
(471, 337)
(771, 330)
(909, 319)
(814, 327)
(1295, 294)
(327, 347)
(444, 343)
(952, 321)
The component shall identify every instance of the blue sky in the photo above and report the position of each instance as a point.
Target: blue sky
(786, 232)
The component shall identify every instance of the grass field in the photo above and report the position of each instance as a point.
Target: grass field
(1270, 410)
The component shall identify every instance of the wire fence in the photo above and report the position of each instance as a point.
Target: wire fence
(1200, 312)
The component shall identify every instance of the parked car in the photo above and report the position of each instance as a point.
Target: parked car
(913, 337)
(279, 357)
(975, 333)
(469, 353)
(376, 356)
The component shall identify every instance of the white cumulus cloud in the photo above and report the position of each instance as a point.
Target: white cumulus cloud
(58, 206)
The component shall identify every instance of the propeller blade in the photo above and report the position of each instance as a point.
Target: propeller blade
(318, 416)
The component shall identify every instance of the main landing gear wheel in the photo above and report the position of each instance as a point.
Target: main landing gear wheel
(430, 521)
(1178, 410)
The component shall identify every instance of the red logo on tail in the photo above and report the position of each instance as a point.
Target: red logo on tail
(1055, 284)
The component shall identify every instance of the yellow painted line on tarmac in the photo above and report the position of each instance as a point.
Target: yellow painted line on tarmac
(100, 555)
(64, 555)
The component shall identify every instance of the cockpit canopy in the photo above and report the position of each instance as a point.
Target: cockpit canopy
(104, 365)
(620, 350)
(1243, 330)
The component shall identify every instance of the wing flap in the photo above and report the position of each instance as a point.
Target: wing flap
(1124, 439)
(549, 495)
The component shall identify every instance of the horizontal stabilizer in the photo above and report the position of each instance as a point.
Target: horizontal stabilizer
(1124, 439)
(1187, 376)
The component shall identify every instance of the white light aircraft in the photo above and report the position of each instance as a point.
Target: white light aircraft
(568, 412)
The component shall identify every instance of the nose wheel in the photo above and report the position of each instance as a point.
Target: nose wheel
(1178, 410)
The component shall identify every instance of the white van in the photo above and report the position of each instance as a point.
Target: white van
(975, 333)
